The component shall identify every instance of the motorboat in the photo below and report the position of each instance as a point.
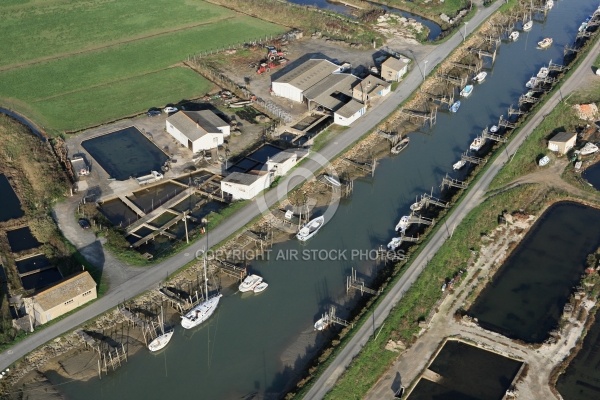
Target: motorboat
(203, 310)
(528, 25)
(322, 323)
(394, 244)
(260, 287)
(543, 73)
(549, 4)
(477, 143)
(480, 77)
(531, 82)
(250, 283)
(544, 161)
(161, 341)
(455, 106)
(545, 43)
(403, 224)
(494, 129)
(416, 206)
(458, 165)
(401, 146)
(514, 35)
(310, 229)
(466, 92)
(583, 26)
(332, 180)
(589, 148)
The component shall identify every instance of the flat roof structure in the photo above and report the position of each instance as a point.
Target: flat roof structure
(332, 92)
(349, 109)
(308, 74)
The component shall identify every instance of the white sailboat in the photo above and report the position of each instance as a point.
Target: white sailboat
(310, 229)
(204, 309)
(528, 25)
(514, 35)
(164, 338)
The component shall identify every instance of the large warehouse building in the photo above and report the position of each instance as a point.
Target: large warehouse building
(296, 81)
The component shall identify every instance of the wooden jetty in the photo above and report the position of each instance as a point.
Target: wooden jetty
(239, 273)
(472, 159)
(353, 283)
(177, 301)
(425, 117)
(497, 138)
(331, 318)
(368, 167)
(516, 111)
(456, 80)
(504, 123)
(557, 67)
(345, 189)
(428, 199)
(451, 182)
(113, 358)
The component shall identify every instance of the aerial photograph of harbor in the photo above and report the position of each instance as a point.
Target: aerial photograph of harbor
(300, 199)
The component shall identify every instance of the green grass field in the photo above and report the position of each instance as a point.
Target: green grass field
(81, 63)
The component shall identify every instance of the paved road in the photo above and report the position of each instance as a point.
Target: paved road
(159, 272)
(327, 380)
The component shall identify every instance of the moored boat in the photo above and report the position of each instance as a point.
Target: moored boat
(458, 165)
(332, 180)
(549, 4)
(477, 143)
(250, 283)
(466, 92)
(528, 25)
(322, 323)
(589, 148)
(545, 43)
(261, 287)
(416, 206)
(494, 129)
(310, 229)
(543, 73)
(514, 35)
(161, 341)
(394, 243)
(203, 310)
(455, 106)
(531, 82)
(401, 146)
(480, 77)
(544, 161)
(403, 224)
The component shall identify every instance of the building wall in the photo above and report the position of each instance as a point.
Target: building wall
(287, 91)
(385, 91)
(206, 142)
(338, 119)
(42, 316)
(280, 169)
(392, 75)
(246, 192)
(178, 135)
(562, 147)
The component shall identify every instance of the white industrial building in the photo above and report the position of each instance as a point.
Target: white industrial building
(245, 186)
(198, 130)
(281, 163)
(349, 113)
(296, 81)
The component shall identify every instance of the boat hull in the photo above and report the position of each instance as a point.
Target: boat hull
(200, 313)
(312, 228)
(160, 342)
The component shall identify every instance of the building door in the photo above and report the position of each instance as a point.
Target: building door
(190, 145)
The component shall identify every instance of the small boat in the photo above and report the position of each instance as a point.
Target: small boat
(458, 165)
(403, 224)
(589, 148)
(401, 146)
(528, 25)
(494, 129)
(466, 92)
(444, 287)
(531, 82)
(250, 283)
(514, 35)
(261, 287)
(477, 143)
(394, 244)
(545, 43)
(322, 323)
(543, 73)
(310, 229)
(583, 26)
(480, 77)
(416, 206)
(163, 339)
(203, 310)
(332, 180)
(454, 107)
(544, 161)
(549, 4)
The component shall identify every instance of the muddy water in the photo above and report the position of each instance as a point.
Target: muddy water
(527, 295)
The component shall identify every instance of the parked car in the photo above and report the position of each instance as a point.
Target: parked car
(153, 113)
(169, 110)
(84, 223)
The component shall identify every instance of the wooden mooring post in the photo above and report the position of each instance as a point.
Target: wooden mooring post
(352, 282)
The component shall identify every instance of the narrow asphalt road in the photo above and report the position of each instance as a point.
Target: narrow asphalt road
(159, 272)
(327, 380)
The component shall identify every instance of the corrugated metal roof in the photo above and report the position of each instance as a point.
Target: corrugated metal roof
(349, 109)
(65, 290)
(326, 93)
(563, 137)
(241, 178)
(371, 84)
(195, 124)
(308, 73)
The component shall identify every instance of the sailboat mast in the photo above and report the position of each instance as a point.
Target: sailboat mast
(205, 277)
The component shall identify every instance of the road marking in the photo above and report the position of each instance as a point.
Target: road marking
(187, 254)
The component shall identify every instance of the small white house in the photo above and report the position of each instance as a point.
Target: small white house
(562, 142)
(281, 163)
(349, 113)
(245, 186)
(198, 130)
(393, 69)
